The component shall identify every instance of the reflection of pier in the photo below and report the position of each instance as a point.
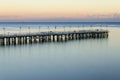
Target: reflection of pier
(37, 37)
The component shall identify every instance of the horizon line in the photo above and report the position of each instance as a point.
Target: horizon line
(60, 21)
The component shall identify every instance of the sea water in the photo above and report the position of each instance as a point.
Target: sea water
(86, 59)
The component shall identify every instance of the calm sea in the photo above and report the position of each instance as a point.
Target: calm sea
(88, 59)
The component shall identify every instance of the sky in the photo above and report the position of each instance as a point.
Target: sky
(60, 10)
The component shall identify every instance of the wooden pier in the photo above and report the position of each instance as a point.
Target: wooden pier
(28, 38)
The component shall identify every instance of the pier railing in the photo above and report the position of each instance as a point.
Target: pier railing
(48, 36)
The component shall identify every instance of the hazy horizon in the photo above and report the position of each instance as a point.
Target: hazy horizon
(59, 11)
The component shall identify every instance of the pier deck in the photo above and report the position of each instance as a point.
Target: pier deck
(27, 38)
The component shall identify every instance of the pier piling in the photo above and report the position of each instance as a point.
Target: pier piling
(51, 36)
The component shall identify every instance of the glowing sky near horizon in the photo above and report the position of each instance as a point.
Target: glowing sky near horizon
(59, 10)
